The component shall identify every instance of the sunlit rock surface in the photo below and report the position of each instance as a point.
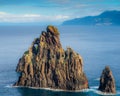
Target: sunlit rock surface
(47, 65)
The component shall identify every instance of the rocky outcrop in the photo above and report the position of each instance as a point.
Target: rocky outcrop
(107, 83)
(47, 65)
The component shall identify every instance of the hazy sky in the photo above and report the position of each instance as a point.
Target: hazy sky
(46, 11)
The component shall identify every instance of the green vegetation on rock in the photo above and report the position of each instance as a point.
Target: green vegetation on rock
(26, 52)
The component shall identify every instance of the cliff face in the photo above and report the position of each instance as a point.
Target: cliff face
(47, 65)
(107, 83)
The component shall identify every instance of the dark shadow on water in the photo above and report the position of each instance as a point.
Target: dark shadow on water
(42, 92)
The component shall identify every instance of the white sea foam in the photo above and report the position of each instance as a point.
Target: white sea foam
(102, 93)
(51, 89)
(97, 79)
(9, 86)
(95, 90)
(92, 89)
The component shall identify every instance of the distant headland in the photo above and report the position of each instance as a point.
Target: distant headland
(105, 18)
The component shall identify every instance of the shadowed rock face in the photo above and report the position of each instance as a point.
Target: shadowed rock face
(47, 65)
(107, 83)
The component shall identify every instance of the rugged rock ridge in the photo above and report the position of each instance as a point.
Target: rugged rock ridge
(107, 83)
(47, 65)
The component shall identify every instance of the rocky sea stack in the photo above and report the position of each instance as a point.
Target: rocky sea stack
(47, 65)
(107, 83)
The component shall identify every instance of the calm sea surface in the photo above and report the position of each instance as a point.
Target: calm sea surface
(98, 45)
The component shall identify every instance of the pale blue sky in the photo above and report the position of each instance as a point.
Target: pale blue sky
(52, 11)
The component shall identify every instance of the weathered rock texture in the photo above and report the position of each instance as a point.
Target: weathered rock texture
(47, 65)
(107, 83)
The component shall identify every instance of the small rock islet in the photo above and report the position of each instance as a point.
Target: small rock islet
(107, 82)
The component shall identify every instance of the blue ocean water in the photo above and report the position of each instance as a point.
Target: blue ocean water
(98, 45)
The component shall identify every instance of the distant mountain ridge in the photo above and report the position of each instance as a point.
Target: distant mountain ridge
(105, 18)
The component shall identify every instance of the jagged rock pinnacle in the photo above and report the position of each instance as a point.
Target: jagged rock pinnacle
(107, 83)
(47, 65)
